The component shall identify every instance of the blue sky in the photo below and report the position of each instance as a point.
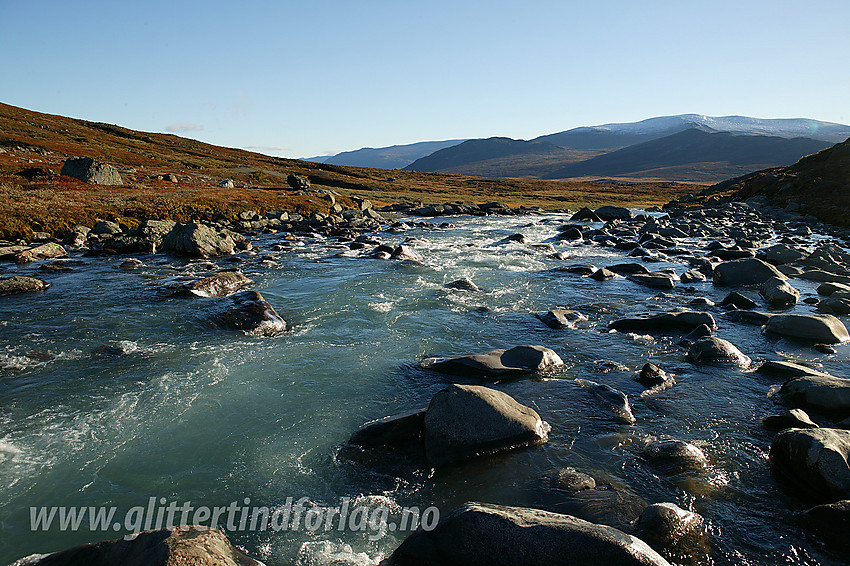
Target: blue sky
(307, 78)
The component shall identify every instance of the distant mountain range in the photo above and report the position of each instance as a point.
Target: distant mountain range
(687, 147)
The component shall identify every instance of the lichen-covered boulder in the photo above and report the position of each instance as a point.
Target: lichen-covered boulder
(90, 171)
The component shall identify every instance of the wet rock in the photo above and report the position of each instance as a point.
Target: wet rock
(713, 350)
(464, 421)
(700, 331)
(613, 399)
(823, 328)
(653, 376)
(164, 547)
(781, 254)
(824, 349)
(90, 171)
(197, 240)
(738, 301)
(779, 293)
(517, 360)
(573, 480)
(816, 458)
(831, 522)
(828, 289)
(483, 534)
(821, 392)
(132, 263)
(603, 274)
(825, 277)
(626, 269)
(673, 456)
(464, 284)
(740, 272)
(582, 269)
(249, 312)
(675, 321)
(154, 232)
(404, 252)
(561, 318)
(757, 318)
(613, 213)
(828, 257)
(692, 276)
(834, 306)
(105, 227)
(787, 370)
(585, 214)
(795, 418)
(406, 429)
(571, 234)
(50, 250)
(668, 527)
(21, 284)
(219, 284)
(656, 280)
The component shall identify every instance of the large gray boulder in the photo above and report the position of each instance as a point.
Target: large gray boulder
(179, 547)
(671, 321)
(713, 350)
(484, 534)
(154, 232)
(49, 250)
(21, 284)
(90, 171)
(821, 392)
(674, 456)
(249, 312)
(403, 429)
(835, 306)
(748, 271)
(822, 328)
(781, 254)
(666, 526)
(197, 240)
(516, 360)
(464, 421)
(613, 213)
(779, 293)
(816, 457)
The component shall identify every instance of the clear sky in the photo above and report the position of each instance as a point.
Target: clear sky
(315, 77)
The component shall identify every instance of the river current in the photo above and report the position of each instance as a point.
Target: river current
(178, 410)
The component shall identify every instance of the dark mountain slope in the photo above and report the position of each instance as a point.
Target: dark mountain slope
(473, 151)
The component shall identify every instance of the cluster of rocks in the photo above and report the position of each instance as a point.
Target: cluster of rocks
(461, 207)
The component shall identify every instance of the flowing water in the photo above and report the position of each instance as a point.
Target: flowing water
(193, 413)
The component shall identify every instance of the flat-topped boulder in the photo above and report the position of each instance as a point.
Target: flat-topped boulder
(779, 293)
(49, 250)
(672, 321)
(748, 271)
(817, 458)
(165, 547)
(516, 360)
(464, 421)
(819, 391)
(609, 212)
(821, 328)
(195, 239)
(484, 534)
(249, 312)
(21, 284)
(787, 370)
(780, 254)
(219, 284)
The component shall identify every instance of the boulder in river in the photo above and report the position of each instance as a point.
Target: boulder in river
(739, 301)
(49, 250)
(795, 418)
(164, 547)
(613, 213)
(674, 456)
(463, 284)
(464, 421)
(781, 254)
(831, 522)
(197, 240)
(666, 322)
(480, 534)
(817, 458)
(653, 376)
(90, 171)
(822, 392)
(749, 271)
(781, 369)
(405, 429)
(21, 284)
(655, 280)
(668, 527)
(249, 312)
(516, 360)
(779, 293)
(561, 318)
(219, 284)
(821, 328)
(613, 399)
(713, 350)
(835, 306)
(585, 214)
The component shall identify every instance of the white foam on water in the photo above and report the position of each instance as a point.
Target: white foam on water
(330, 553)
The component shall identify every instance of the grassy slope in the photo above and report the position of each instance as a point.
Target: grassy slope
(48, 202)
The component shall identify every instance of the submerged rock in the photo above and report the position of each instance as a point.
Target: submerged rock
(483, 534)
(711, 349)
(823, 328)
(787, 370)
(463, 284)
(249, 312)
(516, 360)
(21, 284)
(573, 480)
(164, 547)
(561, 318)
(817, 458)
(464, 421)
(668, 527)
(615, 400)
(653, 376)
(675, 456)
